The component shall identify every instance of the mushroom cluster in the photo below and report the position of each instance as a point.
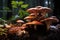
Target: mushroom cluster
(38, 15)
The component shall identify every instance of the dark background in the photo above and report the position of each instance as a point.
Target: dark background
(57, 9)
(33, 3)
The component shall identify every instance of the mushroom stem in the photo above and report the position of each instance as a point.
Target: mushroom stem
(48, 23)
(35, 27)
(20, 24)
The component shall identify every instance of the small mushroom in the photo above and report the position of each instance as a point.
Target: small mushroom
(49, 21)
(29, 18)
(32, 14)
(20, 22)
(33, 10)
(34, 23)
(7, 26)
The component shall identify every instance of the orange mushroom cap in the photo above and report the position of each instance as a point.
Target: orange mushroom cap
(32, 10)
(29, 17)
(51, 19)
(34, 23)
(32, 14)
(20, 21)
(45, 9)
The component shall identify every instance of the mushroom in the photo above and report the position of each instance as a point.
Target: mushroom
(34, 23)
(20, 22)
(29, 18)
(13, 30)
(17, 30)
(44, 10)
(7, 26)
(33, 10)
(32, 14)
(49, 21)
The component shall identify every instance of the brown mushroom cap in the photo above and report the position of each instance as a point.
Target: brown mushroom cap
(32, 14)
(55, 18)
(20, 21)
(50, 19)
(45, 9)
(34, 23)
(29, 17)
(32, 10)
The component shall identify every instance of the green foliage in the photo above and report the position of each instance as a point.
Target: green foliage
(21, 12)
(24, 6)
(6, 8)
(14, 4)
(2, 21)
(20, 2)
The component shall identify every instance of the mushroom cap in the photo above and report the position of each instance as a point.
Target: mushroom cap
(7, 26)
(20, 21)
(29, 17)
(55, 18)
(32, 10)
(50, 19)
(34, 23)
(32, 14)
(45, 9)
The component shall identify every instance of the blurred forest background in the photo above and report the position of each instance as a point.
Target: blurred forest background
(7, 11)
